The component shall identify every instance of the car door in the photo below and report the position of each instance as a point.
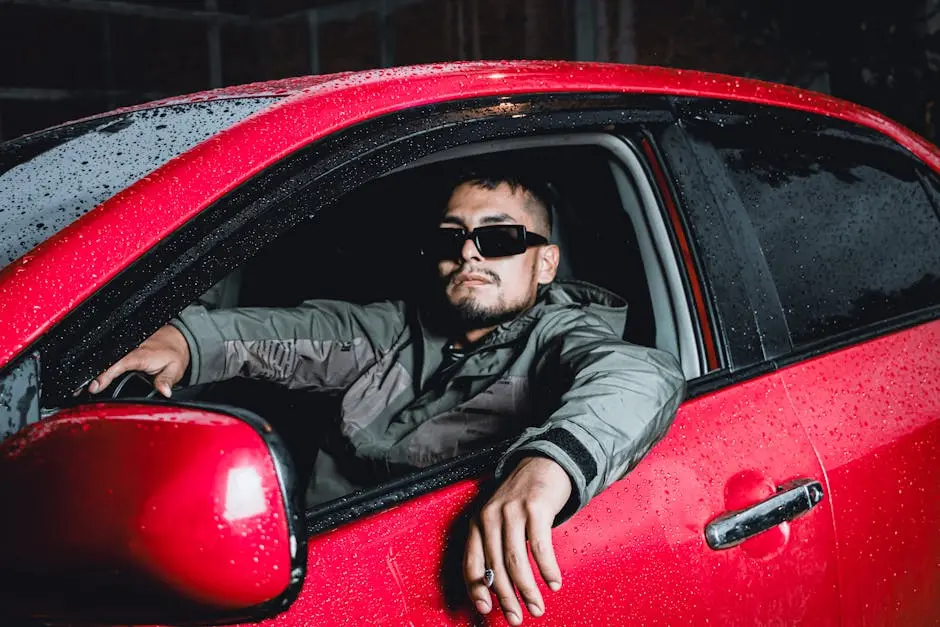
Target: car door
(848, 225)
(638, 553)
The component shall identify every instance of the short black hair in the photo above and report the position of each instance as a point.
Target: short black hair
(489, 173)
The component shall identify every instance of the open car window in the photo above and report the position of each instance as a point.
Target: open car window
(607, 224)
(366, 248)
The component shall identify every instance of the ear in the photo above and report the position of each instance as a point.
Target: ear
(547, 263)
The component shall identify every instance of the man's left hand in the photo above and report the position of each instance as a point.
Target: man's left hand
(523, 508)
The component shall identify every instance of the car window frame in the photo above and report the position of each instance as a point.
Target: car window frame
(207, 248)
(716, 249)
(203, 251)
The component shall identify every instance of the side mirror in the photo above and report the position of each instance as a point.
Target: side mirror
(142, 513)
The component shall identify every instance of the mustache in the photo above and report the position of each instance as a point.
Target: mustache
(489, 274)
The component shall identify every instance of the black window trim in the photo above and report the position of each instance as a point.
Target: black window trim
(650, 138)
(721, 262)
(754, 270)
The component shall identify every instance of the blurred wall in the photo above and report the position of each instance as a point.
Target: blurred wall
(63, 59)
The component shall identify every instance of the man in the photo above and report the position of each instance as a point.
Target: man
(500, 351)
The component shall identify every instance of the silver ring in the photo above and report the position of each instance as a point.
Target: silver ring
(488, 577)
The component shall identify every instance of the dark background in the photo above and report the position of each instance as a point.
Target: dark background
(63, 59)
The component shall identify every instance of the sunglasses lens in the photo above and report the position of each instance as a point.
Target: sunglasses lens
(445, 243)
(500, 240)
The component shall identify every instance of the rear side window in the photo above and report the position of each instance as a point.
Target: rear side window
(848, 231)
(51, 178)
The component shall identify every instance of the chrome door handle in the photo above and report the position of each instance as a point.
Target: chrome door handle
(793, 499)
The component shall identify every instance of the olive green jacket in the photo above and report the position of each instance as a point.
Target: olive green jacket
(558, 378)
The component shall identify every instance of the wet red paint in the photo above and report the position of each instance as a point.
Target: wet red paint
(873, 413)
(182, 498)
(40, 288)
(636, 555)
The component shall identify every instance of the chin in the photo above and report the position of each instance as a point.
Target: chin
(467, 302)
(468, 296)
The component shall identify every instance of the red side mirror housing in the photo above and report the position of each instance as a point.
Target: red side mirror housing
(149, 513)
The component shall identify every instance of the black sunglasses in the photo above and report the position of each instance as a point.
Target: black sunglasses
(497, 240)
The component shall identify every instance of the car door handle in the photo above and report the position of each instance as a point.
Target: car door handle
(793, 499)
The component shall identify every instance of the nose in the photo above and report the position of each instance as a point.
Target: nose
(469, 252)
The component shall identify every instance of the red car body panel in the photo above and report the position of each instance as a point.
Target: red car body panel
(635, 555)
(873, 413)
(189, 534)
(41, 287)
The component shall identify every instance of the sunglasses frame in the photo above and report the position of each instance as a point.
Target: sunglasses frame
(528, 239)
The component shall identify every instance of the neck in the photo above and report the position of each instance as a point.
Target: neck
(471, 337)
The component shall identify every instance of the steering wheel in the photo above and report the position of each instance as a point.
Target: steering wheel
(134, 384)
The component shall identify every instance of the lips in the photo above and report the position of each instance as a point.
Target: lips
(472, 279)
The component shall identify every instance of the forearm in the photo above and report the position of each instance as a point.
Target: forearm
(620, 402)
(322, 345)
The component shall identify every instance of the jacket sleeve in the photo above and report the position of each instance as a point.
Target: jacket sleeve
(619, 400)
(320, 344)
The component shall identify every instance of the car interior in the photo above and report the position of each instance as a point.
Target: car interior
(366, 248)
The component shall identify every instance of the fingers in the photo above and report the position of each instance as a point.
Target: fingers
(517, 518)
(164, 386)
(492, 521)
(165, 354)
(539, 531)
(516, 556)
(498, 541)
(166, 375)
(473, 567)
(167, 378)
(130, 362)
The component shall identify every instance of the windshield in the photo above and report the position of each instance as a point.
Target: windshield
(51, 178)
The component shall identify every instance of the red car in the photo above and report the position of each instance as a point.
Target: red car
(784, 244)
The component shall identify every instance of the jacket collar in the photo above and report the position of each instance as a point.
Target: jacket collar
(603, 303)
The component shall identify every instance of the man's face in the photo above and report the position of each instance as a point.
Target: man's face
(487, 291)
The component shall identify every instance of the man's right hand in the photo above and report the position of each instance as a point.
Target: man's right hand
(165, 355)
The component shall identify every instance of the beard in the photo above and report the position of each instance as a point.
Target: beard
(468, 314)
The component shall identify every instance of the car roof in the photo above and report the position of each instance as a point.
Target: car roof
(434, 82)
(639, 79)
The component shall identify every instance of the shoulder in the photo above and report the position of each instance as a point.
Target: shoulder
(569, 305)
(556, 321)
